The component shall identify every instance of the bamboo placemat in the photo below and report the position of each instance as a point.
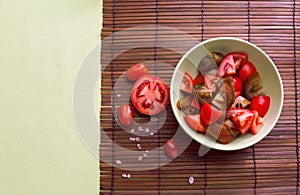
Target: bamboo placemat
(269, 167)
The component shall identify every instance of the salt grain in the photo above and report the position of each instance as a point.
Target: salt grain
(119, 95)
(137, 139)
(140, 158)
(132, 139)
(139, 146)
(132, 131)
(151, 133)
(124, 175)
(118, 162)
(191, 180)
(147, 151)
(145, 155)
(147, 130)
(140, 129)
(129, 176)
(154, 119)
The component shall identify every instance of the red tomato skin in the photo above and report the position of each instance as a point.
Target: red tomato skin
(136, 71)
(231, 63)
(238, 86)
(187, 84)
(146, 92)
(261, 104)
(193, 120)
(126, 115)
(198, 79)
(242, 118)
(247, 71)
(257, 123)
(209, 114)
(171, 149)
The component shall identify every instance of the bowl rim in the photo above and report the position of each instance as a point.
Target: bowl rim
(219, 146)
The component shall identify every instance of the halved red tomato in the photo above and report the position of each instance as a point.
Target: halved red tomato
(261, 104)
(231, 63)
(210, 82)
(247, 71)
(198, 79)
(136, 71)
(257, 123)
(242, 118)
(187, 84)
(193, 120)
(150, 95)
(209, 114)
(238, 86)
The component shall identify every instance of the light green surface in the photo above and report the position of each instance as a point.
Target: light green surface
(42, 44)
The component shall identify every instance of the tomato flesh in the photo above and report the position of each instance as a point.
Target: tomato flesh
(261, 104)
(198, 79)
(209, 114)
(136, 71)
(193, 120)
(126, 115)
(247, 71)
(242, 118)
(187, 84)
(238, 86)
(257, 123)
(231, 63)
(150, 95)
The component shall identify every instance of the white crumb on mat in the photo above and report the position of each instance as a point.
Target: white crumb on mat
(140, 158)
(119, 95)
(118, 162)
(154, 119)
(191, 180)
(124, 175)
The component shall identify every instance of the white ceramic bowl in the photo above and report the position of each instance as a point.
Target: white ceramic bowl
(267, 70)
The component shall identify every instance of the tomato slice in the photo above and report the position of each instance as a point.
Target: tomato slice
(257, 123)
(210, 82)
(198, 79)
(136, 71)
(247, 71)
(209, 114)
(150, 95)
(231, 63)
(187, 84)
(261, 104)
(242, 118)
(193, 120)
(238, 86)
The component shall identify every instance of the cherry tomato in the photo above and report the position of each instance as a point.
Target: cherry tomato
(242, 118)
(209, 114)
(136, 71)
(261, 104)
(247, 71)
(187, 84)
(210, 82)
(198, 79)
(150, 95)
(171, 148)
(126, 115)
(257, 123)
(238, 86)
(231, 63)
(193, 120)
